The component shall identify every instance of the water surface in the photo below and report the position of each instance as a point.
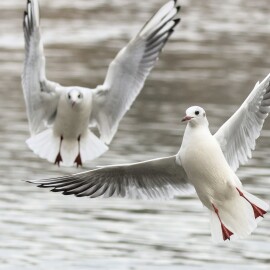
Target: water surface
(215, 57)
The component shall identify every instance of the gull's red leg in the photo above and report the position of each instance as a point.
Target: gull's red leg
(258, 212)
(78, 159)
(225, 231)
(59, 157)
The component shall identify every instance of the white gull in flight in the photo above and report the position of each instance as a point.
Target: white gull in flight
(206, 162)
(60, 117)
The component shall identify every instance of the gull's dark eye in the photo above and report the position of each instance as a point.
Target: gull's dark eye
(79, 96)
(197, 112)
(69, 96)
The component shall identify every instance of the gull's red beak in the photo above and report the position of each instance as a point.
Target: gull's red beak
(187, 118)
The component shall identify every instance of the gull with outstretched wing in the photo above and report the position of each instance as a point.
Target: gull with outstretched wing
(60, 117)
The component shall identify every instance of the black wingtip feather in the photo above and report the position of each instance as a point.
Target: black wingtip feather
(78, 195)
(178, 8)
(55, 190)
(66, 193)
(176, 21)
(177, 5)
(28, 17)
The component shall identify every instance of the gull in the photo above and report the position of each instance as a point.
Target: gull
(205, 163)
(60, 117)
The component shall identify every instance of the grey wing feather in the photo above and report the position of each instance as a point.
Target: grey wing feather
(128, 71)
(154, 179)
(40, 94)
(237, 136)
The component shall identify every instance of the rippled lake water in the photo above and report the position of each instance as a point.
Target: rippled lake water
(214, 59)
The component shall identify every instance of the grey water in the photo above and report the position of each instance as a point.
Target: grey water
(214, 58)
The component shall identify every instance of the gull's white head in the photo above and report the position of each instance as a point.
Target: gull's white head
(195, 116)
(74, 97)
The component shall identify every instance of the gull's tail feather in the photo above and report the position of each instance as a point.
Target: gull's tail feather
(45, 144)
(49, 146)
(238, 215)
(91, 146)
(69, 152)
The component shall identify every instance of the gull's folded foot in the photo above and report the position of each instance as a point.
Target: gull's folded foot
(78, 160)
(58, 159)
(226, 233)
(258, 212)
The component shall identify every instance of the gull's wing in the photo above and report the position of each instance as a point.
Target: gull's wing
(127, 73)
(237, 136)
(159, 178)
(40, 95)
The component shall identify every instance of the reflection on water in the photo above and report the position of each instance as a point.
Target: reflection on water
(214, 58)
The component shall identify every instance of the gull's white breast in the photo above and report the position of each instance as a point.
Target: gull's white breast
(71, 122)
(205, 166)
